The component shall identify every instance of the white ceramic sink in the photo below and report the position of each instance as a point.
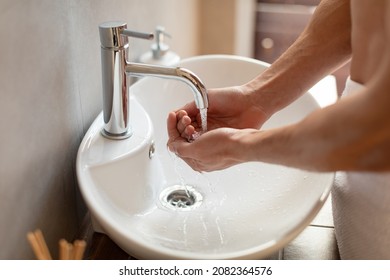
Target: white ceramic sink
(245, 212)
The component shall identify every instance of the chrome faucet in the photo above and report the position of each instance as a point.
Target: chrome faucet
(115, 68)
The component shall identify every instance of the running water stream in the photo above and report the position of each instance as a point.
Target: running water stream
(203, 117)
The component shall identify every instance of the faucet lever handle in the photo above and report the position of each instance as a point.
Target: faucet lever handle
(111, 31)
(135, 34)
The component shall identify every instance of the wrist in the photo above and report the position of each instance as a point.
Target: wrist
(245, 144)
(263, 94)
(273, 146)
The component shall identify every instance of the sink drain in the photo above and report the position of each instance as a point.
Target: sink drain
(179, 197)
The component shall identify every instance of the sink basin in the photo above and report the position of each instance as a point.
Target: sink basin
(154, 206)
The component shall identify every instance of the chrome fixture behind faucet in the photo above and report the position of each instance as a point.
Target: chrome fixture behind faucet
(115, 68)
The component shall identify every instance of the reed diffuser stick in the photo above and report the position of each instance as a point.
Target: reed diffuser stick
(64, 250)
(38, 244)
(35, 246)
(78, 249)
(41, 241)
(67, 251)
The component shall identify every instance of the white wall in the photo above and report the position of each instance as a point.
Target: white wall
(50, 94)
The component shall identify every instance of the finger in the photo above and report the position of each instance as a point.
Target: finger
(188, 132)
(183, 123)
(174, 138)
(173, 133)
(179, 146)
(181, 114)
(191, 109)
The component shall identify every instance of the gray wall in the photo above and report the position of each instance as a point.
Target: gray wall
(50, 94)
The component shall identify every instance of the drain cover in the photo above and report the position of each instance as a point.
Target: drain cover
(179, 197)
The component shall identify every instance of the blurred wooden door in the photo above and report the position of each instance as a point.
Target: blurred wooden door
(279, 23)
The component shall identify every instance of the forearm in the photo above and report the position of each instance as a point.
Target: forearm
(323, 47)
(331, 139)
(351, 135)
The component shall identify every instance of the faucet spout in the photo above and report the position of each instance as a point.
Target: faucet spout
(178, 73)
(115, 67)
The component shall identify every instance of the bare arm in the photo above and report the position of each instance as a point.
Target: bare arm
(353, 134)
(323, 46)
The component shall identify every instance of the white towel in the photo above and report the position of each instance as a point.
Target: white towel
(361, 209)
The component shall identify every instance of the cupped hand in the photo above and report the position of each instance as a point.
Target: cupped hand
(213, 150)
(229, 107)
